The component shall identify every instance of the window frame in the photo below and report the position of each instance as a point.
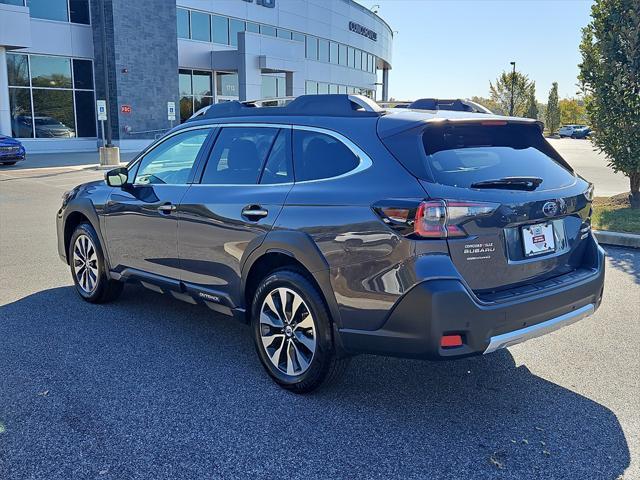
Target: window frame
(73, 89)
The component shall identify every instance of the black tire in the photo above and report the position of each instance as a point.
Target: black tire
(105, 289)
(326, 365)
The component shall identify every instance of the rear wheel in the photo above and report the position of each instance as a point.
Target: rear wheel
(292, 333)
(88, 267)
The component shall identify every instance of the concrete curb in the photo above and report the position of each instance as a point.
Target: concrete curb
(605, 237)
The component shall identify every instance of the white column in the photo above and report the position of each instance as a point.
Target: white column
(385, 84)
(5, 112)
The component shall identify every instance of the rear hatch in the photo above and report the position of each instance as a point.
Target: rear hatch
(512, 210)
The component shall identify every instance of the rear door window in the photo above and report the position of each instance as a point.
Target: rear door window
(318, 156)
(239, 155)
(462, 155)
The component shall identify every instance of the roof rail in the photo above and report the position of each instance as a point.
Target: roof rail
(457, 105)
(333, 105)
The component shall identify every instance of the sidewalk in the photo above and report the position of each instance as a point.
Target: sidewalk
(48, 160)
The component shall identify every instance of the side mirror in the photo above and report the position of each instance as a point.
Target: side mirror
(117, 177)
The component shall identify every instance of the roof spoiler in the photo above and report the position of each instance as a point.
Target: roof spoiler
(456, 105)
(334, 105)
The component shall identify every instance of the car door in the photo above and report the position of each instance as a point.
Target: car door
(236, 201)
(141, 217)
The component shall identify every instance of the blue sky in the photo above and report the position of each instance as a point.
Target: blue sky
(453, 48)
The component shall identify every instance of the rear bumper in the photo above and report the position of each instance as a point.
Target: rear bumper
(434, 308)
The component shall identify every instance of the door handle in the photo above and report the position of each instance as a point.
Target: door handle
(167, 208)
(254, 212)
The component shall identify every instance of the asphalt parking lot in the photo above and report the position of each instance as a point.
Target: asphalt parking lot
(151, 388)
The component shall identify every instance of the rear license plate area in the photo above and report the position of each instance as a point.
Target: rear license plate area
(538, 239)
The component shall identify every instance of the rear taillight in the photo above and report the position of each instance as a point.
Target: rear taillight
(436, 219)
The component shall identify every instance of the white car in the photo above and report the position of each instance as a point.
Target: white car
(574, 131)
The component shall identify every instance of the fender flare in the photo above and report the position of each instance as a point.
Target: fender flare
(85, 207)
(301, 247)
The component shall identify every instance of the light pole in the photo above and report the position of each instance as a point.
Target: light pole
(513, 87)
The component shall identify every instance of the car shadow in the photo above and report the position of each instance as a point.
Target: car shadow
(626, 260)
(148, 387)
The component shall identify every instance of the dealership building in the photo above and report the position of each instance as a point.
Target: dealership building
(54, 55)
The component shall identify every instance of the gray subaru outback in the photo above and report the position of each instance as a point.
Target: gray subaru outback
(334, 227)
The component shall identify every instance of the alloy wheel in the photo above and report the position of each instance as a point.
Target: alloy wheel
(287, 331)
(85, 263)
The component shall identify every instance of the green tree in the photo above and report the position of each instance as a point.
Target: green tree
(572, 111)
(532, 103)
(610, 75)
(500, 93)
(552, 115)
(487, 103)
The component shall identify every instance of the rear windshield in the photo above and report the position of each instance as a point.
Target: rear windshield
(461, 155)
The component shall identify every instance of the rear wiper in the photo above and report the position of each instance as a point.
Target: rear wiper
(510, 183)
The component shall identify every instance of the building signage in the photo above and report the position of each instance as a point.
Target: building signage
(364, 31)
(125, 108)
(264, 3)
(102, 109)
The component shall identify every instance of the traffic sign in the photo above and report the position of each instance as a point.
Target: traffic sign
(102, 109)
(171, 111)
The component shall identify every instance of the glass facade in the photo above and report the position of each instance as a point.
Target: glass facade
(51, 97)
(196, 91)
(74, 11)
(274, 85)
(224, 31)
(313, 88)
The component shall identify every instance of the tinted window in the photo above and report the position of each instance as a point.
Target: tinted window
(185, 82)
(282, 33)
(323, 50)
(311, 87)
(20, 105)
(18, 70)
(312, 48)
(83, 74)
(200, 27)
(227, 84)
(343, 55)
(298, 37)
(50, 71)
(333, 52)
(235, 27)
(171, 161)
(86, 114)
(278, 168)
(462, 155)
(317, 156)
(79, 11)
(49, 9)
(238, 156)
(183, 23)
(202, 83)
(53, 113)
(253, 27)
(220, 28)
(267, 30)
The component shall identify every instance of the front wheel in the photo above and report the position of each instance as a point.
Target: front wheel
(88, 267)
(292, 333)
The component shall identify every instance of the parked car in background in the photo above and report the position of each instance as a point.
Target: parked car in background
(334, 227)
(574, 131)
(11, 151)
(45, 127)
